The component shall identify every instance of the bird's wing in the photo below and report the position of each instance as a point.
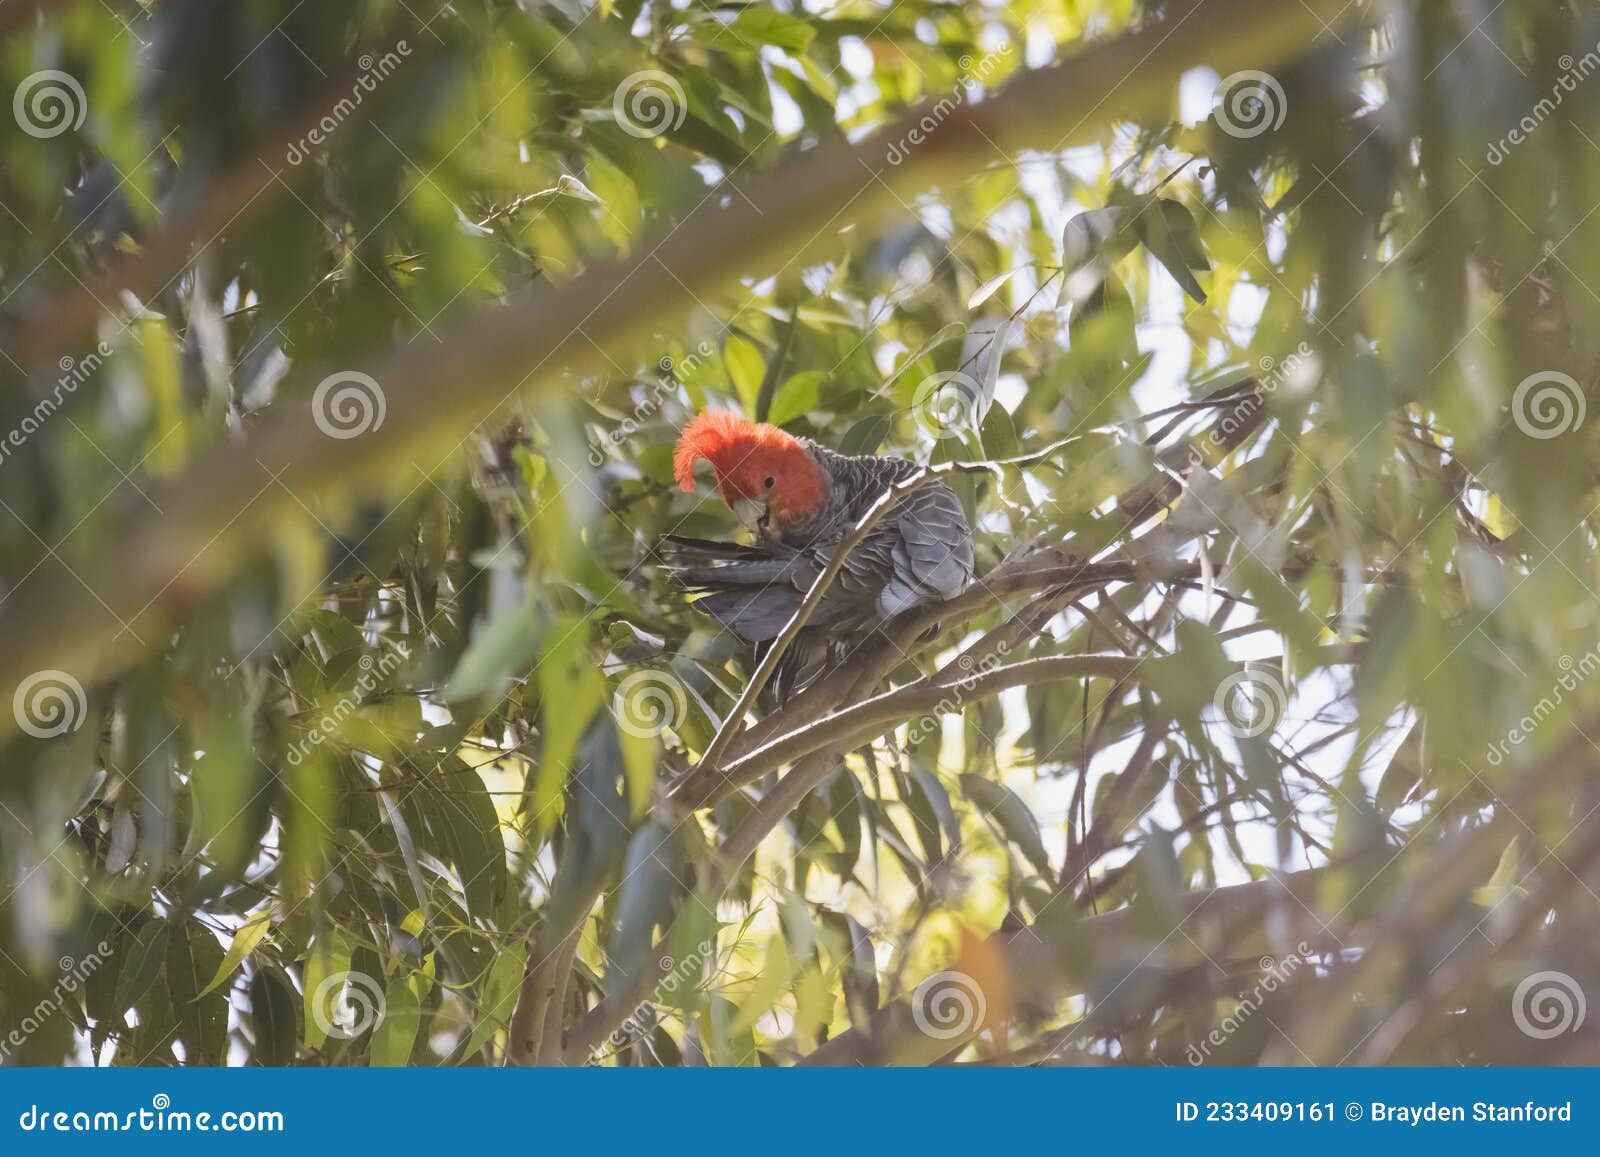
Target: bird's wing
(935, 557)
(754, 590)
(920, 552)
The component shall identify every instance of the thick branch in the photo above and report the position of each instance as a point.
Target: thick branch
(534, 1035)
(866, 721)
(96, 616)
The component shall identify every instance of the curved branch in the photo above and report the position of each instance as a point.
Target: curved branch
(865, 721)
(95, 615)
(1032, 570)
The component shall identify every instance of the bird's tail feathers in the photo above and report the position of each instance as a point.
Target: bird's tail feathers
(807, 658)
(745, 588)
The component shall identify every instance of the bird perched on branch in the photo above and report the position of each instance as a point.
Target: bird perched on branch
(801, 499)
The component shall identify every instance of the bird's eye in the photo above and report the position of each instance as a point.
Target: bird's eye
(769, 482)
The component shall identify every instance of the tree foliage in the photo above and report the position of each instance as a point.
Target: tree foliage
(345, 346)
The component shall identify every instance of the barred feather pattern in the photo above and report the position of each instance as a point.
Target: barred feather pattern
(919, 552)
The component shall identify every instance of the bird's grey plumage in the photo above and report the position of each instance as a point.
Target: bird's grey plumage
(919, 552)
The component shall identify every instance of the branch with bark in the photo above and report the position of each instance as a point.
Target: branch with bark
(1042, 567)
(92, 615)
(814, 730)
(1133, 952)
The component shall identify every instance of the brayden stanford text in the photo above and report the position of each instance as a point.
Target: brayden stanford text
(1434, 1112)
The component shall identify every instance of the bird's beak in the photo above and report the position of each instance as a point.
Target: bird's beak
(749, 512)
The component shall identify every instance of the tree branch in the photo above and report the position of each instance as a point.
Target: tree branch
(1060, 955)
(93, 616)
(857, 724)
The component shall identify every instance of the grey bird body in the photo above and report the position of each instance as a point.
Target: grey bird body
(919, 552)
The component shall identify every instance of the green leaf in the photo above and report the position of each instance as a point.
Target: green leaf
(1505, 883)
(772, 979)
(145, 954)
(987, 290)
(641, 757)
(796, 396)
(571, 690)
(503, 646)
(1103, 329)
(1006, 808)
(653, 875)
(866, 435)
(498, 996)
(746, 367)
(408, 848)
(223, 785)
(1092, 234)
(272, 1015)
(202, 1018)
(329, 956)
(396, 1033)
(1176, 251)
(245, 940)
(468, 826)
(755, 27)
